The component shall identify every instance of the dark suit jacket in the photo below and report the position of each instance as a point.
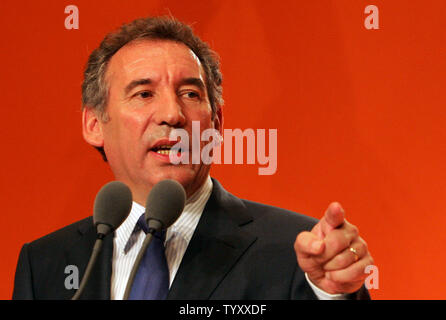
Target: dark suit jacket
(240, 250)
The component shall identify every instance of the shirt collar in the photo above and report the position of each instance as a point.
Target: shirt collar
(188, 220)
(184, 226)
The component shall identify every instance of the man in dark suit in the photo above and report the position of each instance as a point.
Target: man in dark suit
(150, 77)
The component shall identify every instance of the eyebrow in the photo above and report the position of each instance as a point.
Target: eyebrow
(135, 83)
(193, 81)
(186, 81)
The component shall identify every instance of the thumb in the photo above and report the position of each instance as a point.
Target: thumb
(308, 244)
(308, 247)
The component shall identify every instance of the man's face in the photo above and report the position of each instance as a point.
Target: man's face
(154, 87)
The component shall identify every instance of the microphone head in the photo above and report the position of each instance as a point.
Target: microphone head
(111, 206)
(164, 204)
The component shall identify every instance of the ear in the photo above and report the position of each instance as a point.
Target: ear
(92, 128)
(218, 120)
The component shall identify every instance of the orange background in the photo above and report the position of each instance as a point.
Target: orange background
(360, 117)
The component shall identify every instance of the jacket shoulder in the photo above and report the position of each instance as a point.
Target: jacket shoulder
(270, 216)
(279, 218)
(62, 237)
(40, 271)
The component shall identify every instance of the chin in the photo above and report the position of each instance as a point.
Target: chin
(184, 176)
(187, 177)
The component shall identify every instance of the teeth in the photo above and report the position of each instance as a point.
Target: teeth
(166, 149)
(166, 152)
(163, 151)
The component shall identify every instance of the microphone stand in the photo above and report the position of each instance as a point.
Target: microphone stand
(141, 253)
(94, 255)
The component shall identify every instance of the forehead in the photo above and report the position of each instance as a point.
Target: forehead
(154, 59)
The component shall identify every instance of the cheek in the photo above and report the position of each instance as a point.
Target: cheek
(201, 114)
(123, 131)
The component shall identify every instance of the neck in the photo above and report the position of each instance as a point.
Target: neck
(140, 197)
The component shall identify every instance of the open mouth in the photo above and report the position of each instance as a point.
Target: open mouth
(164, 149)
(167, 150)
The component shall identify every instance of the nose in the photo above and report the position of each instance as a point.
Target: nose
(169, 111)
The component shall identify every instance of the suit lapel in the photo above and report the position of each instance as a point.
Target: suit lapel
(217, 244)
(98, 286)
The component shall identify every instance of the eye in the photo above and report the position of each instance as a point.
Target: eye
(191, 95)
(144, 94)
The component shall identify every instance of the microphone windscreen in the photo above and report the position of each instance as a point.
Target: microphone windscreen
(165, 202)
(112, 205)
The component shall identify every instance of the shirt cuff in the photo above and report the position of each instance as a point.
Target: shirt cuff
(322, 295)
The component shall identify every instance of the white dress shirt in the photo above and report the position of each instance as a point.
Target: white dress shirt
(178, 237)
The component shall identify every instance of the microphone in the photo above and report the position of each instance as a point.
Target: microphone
(111, 207)
(164, 205)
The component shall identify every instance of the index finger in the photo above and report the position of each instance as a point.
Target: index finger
(333, 218)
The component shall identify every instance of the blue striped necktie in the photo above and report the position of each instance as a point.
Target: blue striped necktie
(152, 278)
